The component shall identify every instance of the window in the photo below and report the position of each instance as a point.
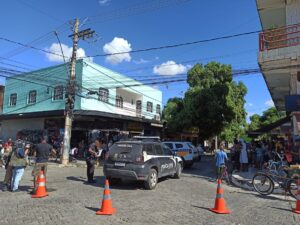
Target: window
(167, 151)
(139, 106)
(178, 146)
(149, 149)
(103, 94)
(158, 150)
(13, 99)
(149, 107)
(158, 108)
(119, 102)
(170, 145)
(32, 97)
(58, 93)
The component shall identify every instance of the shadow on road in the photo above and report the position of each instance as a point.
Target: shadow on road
(268, 197)
(100, 180)
(92, 208)
(283, 209)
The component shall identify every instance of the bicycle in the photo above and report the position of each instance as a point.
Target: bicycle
(225, 175)
(264, 183)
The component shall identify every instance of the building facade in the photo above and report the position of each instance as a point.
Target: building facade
(279, 55)
(104, 100)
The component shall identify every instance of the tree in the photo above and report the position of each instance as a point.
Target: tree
(214, 102)
(269, 116)
(173, 113)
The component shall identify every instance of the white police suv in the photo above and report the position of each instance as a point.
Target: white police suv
(143, 160)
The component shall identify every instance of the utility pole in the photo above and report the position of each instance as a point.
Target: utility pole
(70, 90)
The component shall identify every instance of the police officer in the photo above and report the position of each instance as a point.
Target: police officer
(92, 154)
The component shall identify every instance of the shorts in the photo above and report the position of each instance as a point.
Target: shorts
(38, 167)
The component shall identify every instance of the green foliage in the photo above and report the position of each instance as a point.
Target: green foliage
(214, 103)
(269, 116)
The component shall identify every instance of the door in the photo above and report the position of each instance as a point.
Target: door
(162, 162)
(170, 160)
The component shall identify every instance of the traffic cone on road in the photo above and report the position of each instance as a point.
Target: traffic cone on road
(106, 208)
(41, 190)
(297, 209)
(220, 204)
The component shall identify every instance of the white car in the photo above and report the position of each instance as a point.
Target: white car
(185, 150)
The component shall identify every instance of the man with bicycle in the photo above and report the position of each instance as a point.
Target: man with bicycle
(220, 157)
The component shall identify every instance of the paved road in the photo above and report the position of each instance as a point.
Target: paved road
(183, 201)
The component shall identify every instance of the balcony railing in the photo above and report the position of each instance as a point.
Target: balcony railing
(280, 37)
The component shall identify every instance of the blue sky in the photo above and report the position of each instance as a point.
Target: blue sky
(136, 24)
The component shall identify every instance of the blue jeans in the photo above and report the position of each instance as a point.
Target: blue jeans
(16, 177)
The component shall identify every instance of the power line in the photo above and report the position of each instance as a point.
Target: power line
(141, 50)
(39, 10)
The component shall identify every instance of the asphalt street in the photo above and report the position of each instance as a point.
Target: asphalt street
(185, 201)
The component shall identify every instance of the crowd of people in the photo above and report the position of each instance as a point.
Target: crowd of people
(257, 153)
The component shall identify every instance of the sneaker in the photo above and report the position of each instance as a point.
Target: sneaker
(92, 181)
(17, 190)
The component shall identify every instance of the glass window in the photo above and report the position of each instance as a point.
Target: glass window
(158, 108)
(13, 99)
(158, 150)
(139, 106)
(58, 93)
(32, 97)
(103, 94)
(167, 151)
(149, 107)
(178, 145)
(119, 102)
(170, 145)
(149, 149)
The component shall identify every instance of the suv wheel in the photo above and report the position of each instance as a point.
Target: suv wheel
(151, 182)
(178, 171)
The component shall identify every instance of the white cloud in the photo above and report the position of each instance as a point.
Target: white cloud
(269, 103)
(104, 2)
(249, 104)
(55, 48)
(141, 61)
(115, 46)
(169, 68)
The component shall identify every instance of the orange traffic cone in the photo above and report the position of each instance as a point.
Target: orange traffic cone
(220, 204)
(297, 209)
(106, 208)
(41, 190)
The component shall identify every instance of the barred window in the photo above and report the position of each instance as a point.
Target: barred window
(119, 102)
(32, 97)
(139, 106)
(103, 94)
(58, 93)
(158, 109)
(13, 99)
(149, 107)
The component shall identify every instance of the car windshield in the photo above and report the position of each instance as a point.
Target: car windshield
(191, 145)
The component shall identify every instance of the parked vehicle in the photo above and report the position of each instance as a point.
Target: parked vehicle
(143, 160)
(183, 150)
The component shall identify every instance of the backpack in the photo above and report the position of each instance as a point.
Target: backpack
(20, 152)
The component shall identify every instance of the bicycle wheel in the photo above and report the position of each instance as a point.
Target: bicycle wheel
(292, 187)
(263, 184)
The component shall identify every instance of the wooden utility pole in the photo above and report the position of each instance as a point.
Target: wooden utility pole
(70, 90)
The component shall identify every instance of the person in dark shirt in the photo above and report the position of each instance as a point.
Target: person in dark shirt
(42, 152)
(93, 152)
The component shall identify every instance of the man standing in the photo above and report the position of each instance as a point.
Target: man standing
(42, 152)
(221, 156)
(92, 154)
(18, 162)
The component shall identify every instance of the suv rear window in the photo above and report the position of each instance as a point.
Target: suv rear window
(125, 147)
(179, 145)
